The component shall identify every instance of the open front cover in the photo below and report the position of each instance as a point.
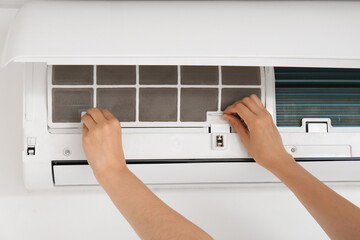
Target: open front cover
(208, 33)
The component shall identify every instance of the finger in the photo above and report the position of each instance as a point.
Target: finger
(237, 125)
(248, 102)
(257, 100)
(107, 114)
(85, 130)
(88, 121)
(241, 110)
(96, 114)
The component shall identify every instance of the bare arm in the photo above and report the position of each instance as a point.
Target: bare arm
(148, 215)
(339, 218)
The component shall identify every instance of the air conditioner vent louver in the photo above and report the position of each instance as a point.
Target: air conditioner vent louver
(317, 93)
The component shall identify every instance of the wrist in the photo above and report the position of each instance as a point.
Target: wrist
(105, 176)
(286, 164)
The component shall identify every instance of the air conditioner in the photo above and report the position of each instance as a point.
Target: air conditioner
(168, 69)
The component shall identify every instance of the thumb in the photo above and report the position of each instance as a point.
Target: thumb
(237, 125)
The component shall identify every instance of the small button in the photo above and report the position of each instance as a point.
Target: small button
(31, 151)
(67, 152)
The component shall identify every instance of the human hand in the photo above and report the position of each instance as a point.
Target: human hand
(101, 142)
(258, 133)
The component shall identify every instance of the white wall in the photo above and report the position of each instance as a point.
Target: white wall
(239, 212)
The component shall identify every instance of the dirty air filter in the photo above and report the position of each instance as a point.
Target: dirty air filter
(68, 103)
(317, 93)
(144, 94)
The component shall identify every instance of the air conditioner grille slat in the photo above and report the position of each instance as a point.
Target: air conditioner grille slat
(317, 93)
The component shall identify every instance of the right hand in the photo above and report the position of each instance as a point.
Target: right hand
(102, 143)
(258, 133)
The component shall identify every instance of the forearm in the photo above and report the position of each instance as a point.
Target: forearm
(148, 215)
(339, 218)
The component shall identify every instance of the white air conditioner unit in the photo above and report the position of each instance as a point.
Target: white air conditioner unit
(168, 69)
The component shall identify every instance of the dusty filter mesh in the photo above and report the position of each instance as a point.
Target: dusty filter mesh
(119, 101)
(68, 103)
(149, 93)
